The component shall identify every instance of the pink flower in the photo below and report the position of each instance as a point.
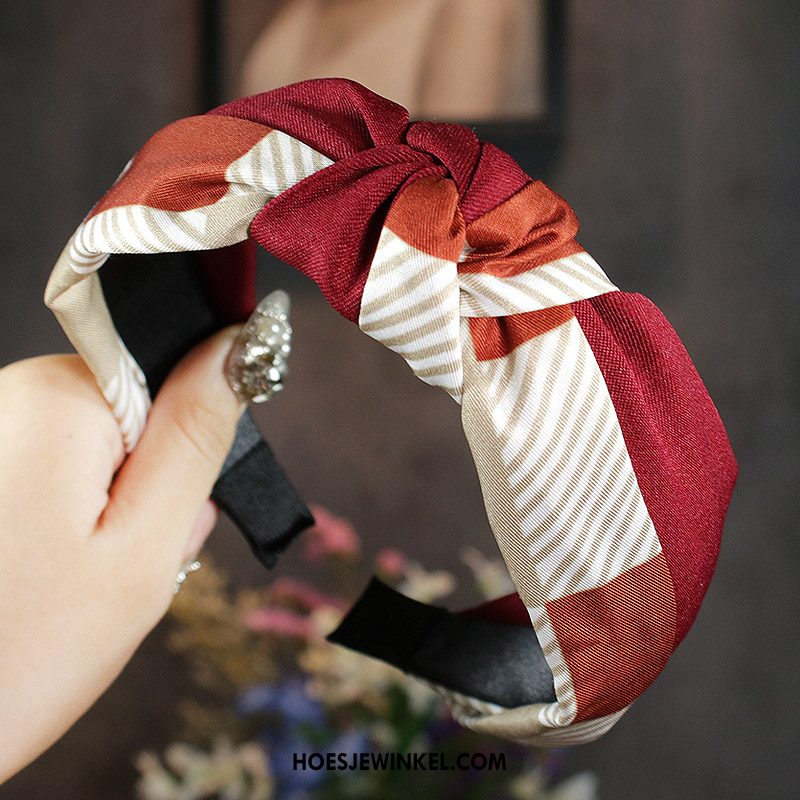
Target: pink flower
(330, 536)
(390, 562)
(291, 590)
(279, 621)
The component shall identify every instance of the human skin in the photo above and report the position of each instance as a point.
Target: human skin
(90, 540)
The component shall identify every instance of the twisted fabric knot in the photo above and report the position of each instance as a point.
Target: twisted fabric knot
(420, 224)
(376, 157)
(455, 147)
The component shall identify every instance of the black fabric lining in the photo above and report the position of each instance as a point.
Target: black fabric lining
(258, 497)
(490, 661)
(161, 309)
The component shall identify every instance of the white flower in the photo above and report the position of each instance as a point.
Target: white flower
(233, 773)
(419, 584)
(490, 574)
(531, 785)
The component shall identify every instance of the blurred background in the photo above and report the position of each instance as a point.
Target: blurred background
(671, 128)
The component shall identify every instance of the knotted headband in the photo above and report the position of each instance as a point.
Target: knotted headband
(605, 469)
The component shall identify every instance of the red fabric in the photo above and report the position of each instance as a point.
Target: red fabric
(676, 441)
(616, 638)
(496, 337)
(377, 153)
(230, 276)
(183, 165)
(426, 216)
(336, 117)
(531, 228)
(509, 610)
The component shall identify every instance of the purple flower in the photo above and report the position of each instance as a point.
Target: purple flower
(287, 700)
(301, 730)
(287, 753)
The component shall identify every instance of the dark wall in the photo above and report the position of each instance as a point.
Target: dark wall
(681, 159)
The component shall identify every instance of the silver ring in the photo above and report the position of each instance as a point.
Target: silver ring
(187, 569)
(257, 363)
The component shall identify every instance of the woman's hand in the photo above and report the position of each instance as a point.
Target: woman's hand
(91, 541)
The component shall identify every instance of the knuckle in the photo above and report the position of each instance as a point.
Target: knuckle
(205, 430)
(33, 381)
(23, 378)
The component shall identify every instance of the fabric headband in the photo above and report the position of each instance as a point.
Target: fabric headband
(605, 469)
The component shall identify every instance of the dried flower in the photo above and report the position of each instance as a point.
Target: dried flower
(292, 691)
(291, 590)
(279, 621)
(491, 574)
(330, 536)
(420, 584)
(228, 772)
(390, 563)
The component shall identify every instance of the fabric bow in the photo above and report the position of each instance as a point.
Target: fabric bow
(377, 154)
(478, 225)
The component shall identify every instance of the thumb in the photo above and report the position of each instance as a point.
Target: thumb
(157, 498)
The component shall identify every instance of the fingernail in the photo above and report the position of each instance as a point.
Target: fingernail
(256, 365)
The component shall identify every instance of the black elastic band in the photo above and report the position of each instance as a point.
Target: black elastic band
(490, 661)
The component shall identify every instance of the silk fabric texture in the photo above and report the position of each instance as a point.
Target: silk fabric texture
(605, 469)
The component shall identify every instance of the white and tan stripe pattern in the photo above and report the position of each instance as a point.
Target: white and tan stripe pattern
(581, 514)
(522, 725)
(564, 504)
(276, 163)
(82, 261)
(463, 704)
(564, 710)
(579, 733)
(141, 229)
(565, 280)
(410, 304)
(128, 397)
(574, 476)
